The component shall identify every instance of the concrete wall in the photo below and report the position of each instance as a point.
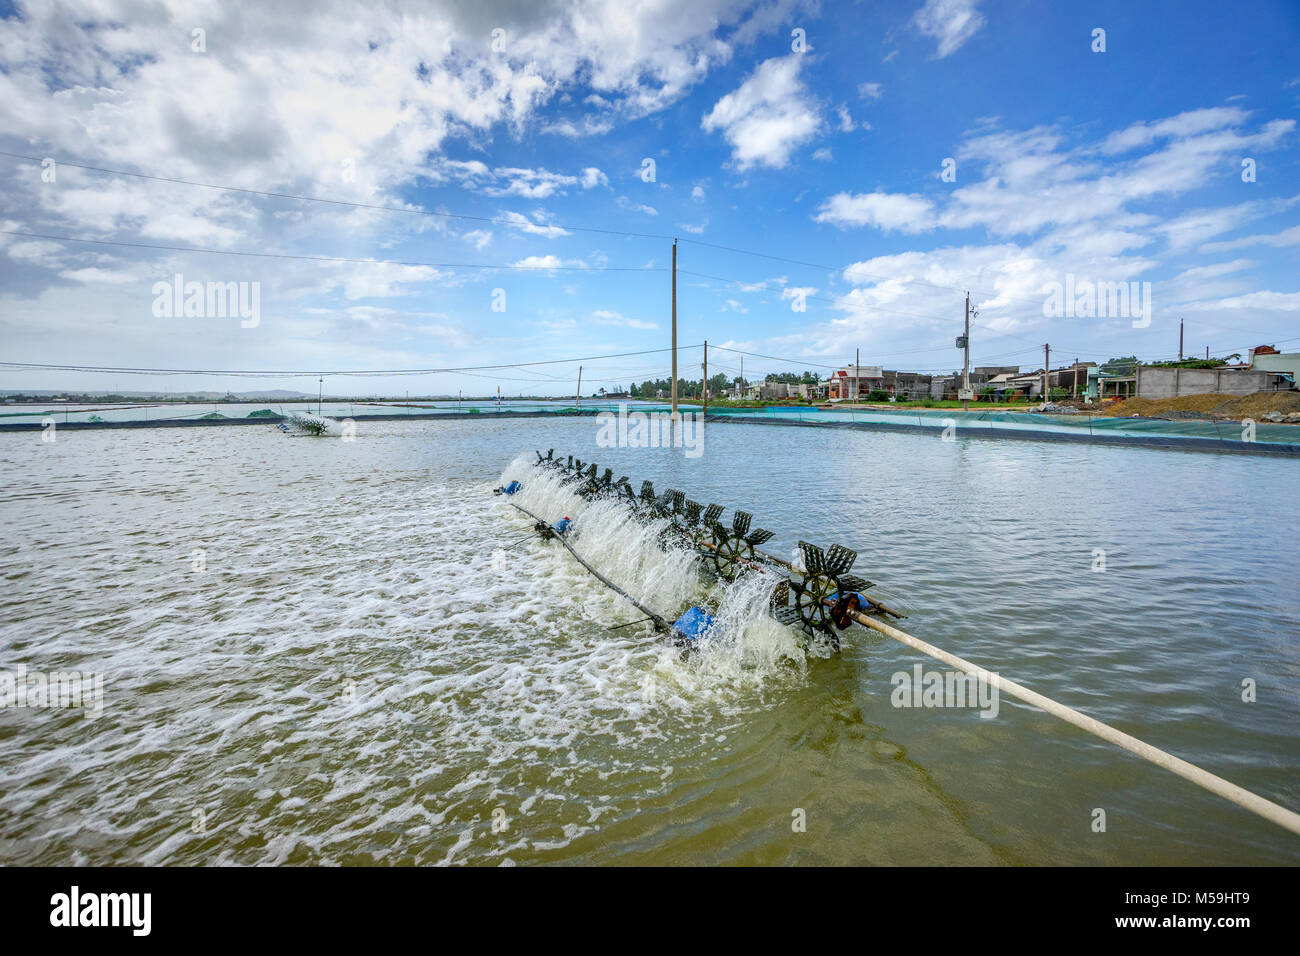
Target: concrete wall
(1172, 382)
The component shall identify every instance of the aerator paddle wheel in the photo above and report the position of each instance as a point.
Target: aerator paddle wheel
(825, 577)
(730, 551)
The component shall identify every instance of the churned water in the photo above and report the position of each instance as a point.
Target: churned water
(327, 651)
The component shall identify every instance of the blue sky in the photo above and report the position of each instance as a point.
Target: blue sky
(1115, 166)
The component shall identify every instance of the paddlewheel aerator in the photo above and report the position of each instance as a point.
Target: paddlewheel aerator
(825, 577)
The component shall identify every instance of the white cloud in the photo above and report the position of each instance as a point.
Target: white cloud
(1181, 126)
(697, 193)
(823, 155)
(524, 224)
(1287, 237)
(478, 237)
(549, 261)
(624, 203)
(950, 22)
(1263, 301)
(606, 317)
(846, 121)
(767, 116)
(94, 274)
(888, 211)
(871, 91)
(592, 177)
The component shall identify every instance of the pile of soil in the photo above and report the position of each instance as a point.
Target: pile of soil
(1213, 405)
(1258, 405)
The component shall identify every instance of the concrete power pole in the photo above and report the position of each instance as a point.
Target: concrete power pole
(705, 393)
(674, 383)
(577, 398)
(857, 373)
(1047, 352)
(1180, 340)
(965, 362)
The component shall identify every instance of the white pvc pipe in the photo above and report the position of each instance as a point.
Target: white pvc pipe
(1229, 791)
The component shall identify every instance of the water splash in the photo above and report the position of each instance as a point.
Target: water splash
(745, 648)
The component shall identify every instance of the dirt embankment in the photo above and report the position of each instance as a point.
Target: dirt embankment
(1216, 405)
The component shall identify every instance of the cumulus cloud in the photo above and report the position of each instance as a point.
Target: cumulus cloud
(607, 317)
(888, 211)
(950, 22)
(524, 224)
(767, 116)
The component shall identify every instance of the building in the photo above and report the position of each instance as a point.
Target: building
(1265, 358)
(910, 384)
(1073, 378)
(855, 381)
(767, 391)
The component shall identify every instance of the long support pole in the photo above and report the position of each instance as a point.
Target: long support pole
(705, 393)
(1274, 812)
(577, 398)
(674, 328)
(1242, 797)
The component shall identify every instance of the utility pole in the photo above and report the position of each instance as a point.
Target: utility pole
(1047, 352)
(321, 397)
(740, 392)
(1180, 340)
(577, 398)
(857, 373)
(965, 362)
(705, 393)
(674, 328)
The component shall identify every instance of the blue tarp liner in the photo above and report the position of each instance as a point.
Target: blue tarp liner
(862, 602)
(695, 623)
(562, 526)
(511, 488)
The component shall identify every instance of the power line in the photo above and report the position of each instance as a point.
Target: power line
(269, 194)
(266, 194)
(34, 366)
(285, 255)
